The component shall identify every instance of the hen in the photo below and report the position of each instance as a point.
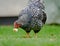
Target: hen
(32, 17)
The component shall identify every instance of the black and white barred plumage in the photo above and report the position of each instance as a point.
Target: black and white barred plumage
(32, 17)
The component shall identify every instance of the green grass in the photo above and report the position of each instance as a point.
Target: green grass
(48, 36)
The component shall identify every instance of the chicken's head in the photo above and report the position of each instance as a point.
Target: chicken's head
(16, 26)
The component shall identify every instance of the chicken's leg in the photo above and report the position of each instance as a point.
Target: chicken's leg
(35, 35)
(27, 35)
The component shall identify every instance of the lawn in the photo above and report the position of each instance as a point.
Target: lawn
(48, 36)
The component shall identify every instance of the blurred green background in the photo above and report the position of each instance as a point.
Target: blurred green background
(48, 36)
